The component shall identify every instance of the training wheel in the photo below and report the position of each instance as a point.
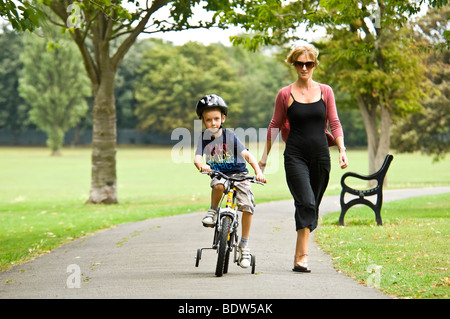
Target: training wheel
(253, 262)
(199, 256)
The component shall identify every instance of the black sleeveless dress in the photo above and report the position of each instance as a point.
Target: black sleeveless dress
(307, 160)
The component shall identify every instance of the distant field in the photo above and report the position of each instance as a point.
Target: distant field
(149, 175)
(42, 197)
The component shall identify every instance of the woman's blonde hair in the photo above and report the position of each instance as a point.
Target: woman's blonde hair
(301, 48)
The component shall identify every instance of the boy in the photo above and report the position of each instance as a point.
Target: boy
(224, 152)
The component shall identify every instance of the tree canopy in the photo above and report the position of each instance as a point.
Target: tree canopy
(171, 79)
(53, 84)
(367, 50)
(367, 43)
(428, 130)
(21, 14)
(104, 31)
(13, 109)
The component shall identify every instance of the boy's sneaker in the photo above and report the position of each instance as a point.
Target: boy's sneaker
(244, 257)
(210, 218)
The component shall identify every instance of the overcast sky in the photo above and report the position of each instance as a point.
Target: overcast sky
(205, 36)
(213, 35)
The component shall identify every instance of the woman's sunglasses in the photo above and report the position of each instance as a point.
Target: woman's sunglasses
(309, 65)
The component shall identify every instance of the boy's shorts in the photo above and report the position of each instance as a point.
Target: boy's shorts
(245, 200)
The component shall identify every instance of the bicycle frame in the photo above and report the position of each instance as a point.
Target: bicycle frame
(224, 241)
(229, 211)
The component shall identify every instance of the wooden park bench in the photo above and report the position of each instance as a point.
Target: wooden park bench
(377, 190)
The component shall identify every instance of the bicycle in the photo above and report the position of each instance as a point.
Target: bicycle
(226, 228)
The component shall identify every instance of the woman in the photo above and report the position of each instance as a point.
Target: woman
(302, 112)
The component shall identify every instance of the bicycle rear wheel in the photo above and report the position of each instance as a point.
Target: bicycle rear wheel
(222, 249)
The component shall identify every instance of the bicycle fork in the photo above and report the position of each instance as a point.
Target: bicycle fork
(228, 212)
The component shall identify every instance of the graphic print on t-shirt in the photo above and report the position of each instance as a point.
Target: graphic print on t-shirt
(223, 153)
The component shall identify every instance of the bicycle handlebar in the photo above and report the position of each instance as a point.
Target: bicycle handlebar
(252, 179)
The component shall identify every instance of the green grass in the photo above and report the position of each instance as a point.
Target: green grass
(410, 249)
(42, 197)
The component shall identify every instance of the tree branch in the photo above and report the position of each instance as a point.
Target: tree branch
(58, 8)
(128, 42)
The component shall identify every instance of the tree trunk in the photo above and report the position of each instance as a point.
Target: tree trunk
(378, 140)
(101, 67)
(385, 139)
(369, 118)
(103, 179)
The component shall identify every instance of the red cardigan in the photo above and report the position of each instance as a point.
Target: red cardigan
(280, 121)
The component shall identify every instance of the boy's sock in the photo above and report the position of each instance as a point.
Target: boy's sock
(244, 242)
(215, 208)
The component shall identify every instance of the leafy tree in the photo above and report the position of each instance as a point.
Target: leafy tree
(104, 31)
(21, 14)
(260, 76)
(13, 109)
(377, 74)
(124, 84)
(368, 51)
(428, 131)
(53, 84)
(172, 79)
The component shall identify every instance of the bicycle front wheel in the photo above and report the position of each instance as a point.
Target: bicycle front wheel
(222, 248)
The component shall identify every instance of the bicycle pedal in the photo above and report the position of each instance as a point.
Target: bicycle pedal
(208, 226)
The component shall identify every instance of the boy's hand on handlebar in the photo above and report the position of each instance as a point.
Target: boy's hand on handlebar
(260, 177)
(205, 169)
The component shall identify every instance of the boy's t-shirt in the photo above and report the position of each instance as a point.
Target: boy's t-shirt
(222, 153)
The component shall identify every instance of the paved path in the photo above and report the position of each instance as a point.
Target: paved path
(156, 259)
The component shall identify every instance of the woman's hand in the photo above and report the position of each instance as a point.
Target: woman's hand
(343, 160)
